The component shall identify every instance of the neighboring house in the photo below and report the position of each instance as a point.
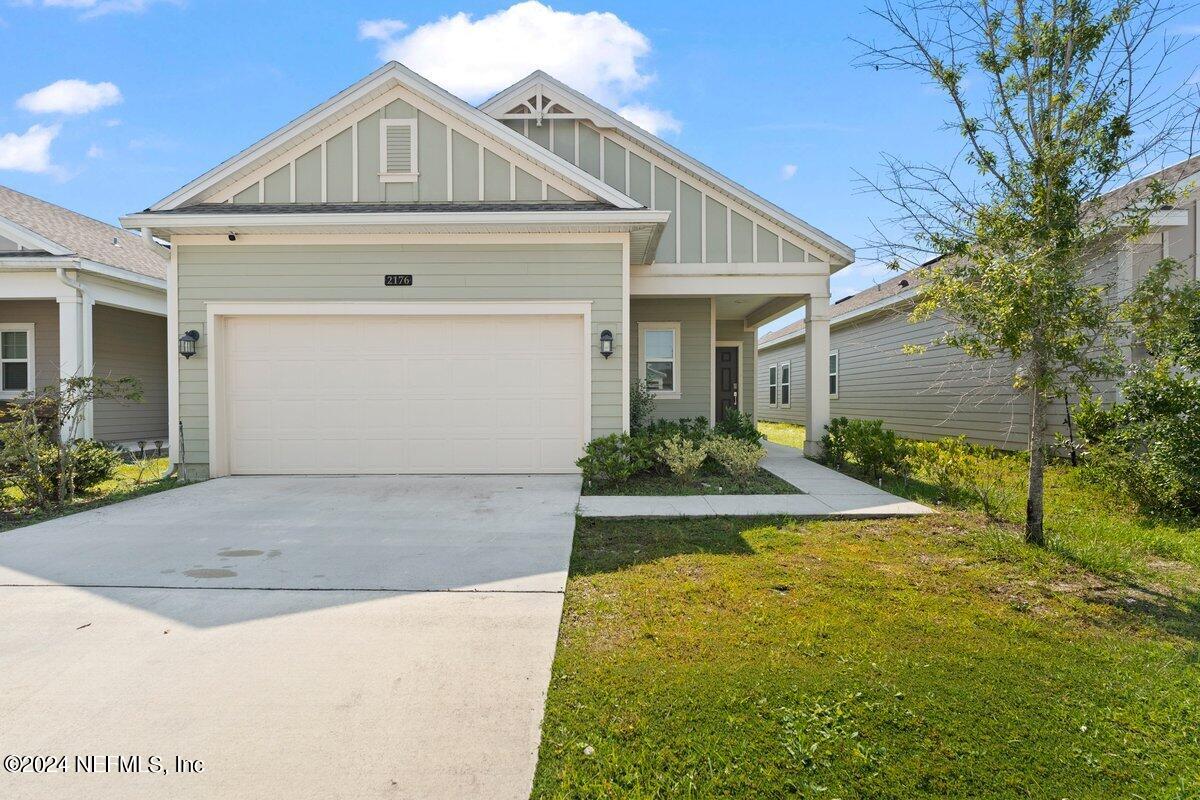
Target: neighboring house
(941, 392)
(400, 282)
(79, 297)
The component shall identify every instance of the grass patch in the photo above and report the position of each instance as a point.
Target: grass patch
(129, 481)
(711, 480)
(922, 657)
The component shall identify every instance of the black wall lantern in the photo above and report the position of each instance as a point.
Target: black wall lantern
(187, 343)
(606, 343)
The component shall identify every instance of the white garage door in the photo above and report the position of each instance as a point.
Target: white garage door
(379, 394)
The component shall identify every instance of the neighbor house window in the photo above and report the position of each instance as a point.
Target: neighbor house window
(16, 359)
(833, 374)
(660, 358)
(772, 384)
(398, 150)
(785, 384)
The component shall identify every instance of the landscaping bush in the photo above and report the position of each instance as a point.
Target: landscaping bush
(616, 457)
(694, 428)
(739, 457)
(35, 476)
(872, 448)
(682, 456)
(95, 462)
(739, 426)
(833, 442)
(641, 405)
(945, 463)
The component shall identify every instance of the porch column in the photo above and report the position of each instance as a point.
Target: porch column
(75, 347)
(816, 364)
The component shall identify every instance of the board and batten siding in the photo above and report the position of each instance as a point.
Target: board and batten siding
(129, 344)
(930, 395)
(694, 359)
(44, 316)
(705, 226)
(441, 272)
(453, 165)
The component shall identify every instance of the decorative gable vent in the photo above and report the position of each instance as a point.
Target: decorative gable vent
(398, 150)
(539, 107)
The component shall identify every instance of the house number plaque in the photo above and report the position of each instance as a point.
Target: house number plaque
(397, 280)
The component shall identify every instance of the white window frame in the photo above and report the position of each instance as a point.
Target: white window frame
(31, 379)
(677, 361)
(397, 177)
(835, 373)
(773, 385)
(785, 384)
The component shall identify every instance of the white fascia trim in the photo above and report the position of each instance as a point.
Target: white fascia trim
(83, 265)
(835, 322)
(369, 85)
(169, 222)
(31, 239)
(396, 308)
(604, 116)
(24, 263)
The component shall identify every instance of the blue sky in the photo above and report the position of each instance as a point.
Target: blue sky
(764, 93)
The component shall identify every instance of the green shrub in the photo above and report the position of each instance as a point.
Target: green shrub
(682, 456)
(833, 442)
(36, 475)
(95, 462)
(616, 457)
(739, 457)
(739, 426)
(873, 448)
(693, 428)
(945, 463)
(641, 405)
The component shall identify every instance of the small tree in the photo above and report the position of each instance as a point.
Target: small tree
(1056, 103)
(50, 418)
(641, 404)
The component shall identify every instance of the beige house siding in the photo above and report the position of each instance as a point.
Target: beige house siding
(354, 272)
(931, 395)
(695, 357)
(44, 316)
(129, 344)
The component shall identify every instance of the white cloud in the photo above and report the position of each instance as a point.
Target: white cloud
(95, 151)
(381, 29)
(787, 172)
(100, 8)
(596, 52)
(70, 97)
(29, 151)
(654, 120)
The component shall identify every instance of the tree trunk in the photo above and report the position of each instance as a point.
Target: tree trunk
(1035, 500)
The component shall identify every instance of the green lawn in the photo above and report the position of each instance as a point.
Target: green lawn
(711, 480)
(130, 481)
(926, 657)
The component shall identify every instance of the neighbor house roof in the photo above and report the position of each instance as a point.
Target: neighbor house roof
(62, 232)
(1121, 197)
(882, 295)
(608, 118)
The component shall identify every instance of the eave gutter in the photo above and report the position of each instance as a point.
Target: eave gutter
(82, 265)
(173, 221)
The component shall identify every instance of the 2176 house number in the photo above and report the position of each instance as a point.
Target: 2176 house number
(397, 280)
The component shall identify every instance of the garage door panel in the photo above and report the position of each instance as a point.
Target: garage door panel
(404, 394)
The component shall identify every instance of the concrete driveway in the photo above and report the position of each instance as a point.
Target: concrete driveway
(301, 637)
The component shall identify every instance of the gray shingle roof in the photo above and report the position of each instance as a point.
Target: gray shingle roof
(883, 291)
(85, 237)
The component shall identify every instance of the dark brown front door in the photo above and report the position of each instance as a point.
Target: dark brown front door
(727, 380)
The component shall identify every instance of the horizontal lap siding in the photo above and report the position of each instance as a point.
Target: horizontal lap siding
(694, 316)
(129, 344)
(925, 396)
(44, 316)
(452, 272)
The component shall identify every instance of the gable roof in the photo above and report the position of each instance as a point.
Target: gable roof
(883, 295)
(61, 232)
(373, 86)
(584, 106)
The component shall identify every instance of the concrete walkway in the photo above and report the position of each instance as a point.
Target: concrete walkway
(828, 494)
(305, 638)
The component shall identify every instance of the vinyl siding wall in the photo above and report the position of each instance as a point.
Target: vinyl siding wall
(694, 360)
(210, 273)
(44, 316)
(129, 344)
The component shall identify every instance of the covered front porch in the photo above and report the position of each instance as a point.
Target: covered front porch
(697, 351)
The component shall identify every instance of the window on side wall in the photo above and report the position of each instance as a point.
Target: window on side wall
(660, 358)
(785, 384)
(398, 150)
(833, 373)
(16, 360)
(772, 384)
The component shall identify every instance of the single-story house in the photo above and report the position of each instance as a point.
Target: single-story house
(77, 298)
(941, 392)
(401, 282)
